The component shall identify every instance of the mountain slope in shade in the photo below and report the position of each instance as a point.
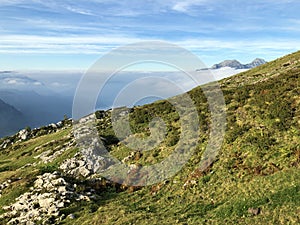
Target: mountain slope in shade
(38, 109)
(11, 119)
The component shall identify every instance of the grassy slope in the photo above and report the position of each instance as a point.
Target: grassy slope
(258, 166)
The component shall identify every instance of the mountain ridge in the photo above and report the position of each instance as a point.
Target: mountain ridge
(237, 65)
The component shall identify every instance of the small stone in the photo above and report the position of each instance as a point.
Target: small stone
(52, 125)
(84, 171)
(23, 134)
(254, 211)
(60, 205)
(6, 208)
(71, 216)
(46, 203)
(58, 182)
(62, 189)
(39, 183)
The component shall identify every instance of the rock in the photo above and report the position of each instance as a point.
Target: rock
(83, 198)
(59, 124)
(30, 223)
(286, 64)
(189, 184)
(76, 167)
(27, 165)
(5, 144)
(33, 213)
(84, 171)
(254, 211)
(53, 210)
(39, 183)
(53, 126)
(71, 216)
(18, 206)
(129, 157)
(62, 190)
(23, 134)
(60, 205)
(59, 182)
(6, 208)
(46, 202)
(43, 203)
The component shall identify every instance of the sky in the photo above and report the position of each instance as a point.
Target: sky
(73, 34)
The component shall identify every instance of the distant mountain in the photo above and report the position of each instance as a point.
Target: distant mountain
(237, 65)
(11, 119)
(31, 98)
(37, 109)
(228, 63)
(255, 63)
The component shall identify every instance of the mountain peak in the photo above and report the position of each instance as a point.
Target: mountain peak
(256, 62)
(228, 63)
(237, 65)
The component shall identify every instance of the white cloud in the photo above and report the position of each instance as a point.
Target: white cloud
(101, 44)
(14, 81)
(184, 6)
(58, 85)
(37, 83)
(10, 2)
(79, 11)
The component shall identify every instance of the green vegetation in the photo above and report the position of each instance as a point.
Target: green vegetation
(254, 180)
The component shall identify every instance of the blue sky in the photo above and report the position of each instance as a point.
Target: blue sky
(73, 34)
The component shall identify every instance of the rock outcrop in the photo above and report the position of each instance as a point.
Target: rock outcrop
(43, 203)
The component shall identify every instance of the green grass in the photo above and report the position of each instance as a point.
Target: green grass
(257, 167)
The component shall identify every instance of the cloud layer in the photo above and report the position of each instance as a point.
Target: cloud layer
(208, 28)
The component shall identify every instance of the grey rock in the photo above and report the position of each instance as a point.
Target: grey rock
(71, 216)
(5, 144)
(23, 134)
(42, 202)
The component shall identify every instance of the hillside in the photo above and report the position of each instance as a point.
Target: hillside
(10, 119)
(255, 178)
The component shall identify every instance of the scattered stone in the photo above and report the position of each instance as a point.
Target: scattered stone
(23, 134)
(42, 204)
(59, 124)
(135, 155)
(26, 134)
(76, 167)
(254, 211)
(71, 216)
(50, 192)
(5, 143)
